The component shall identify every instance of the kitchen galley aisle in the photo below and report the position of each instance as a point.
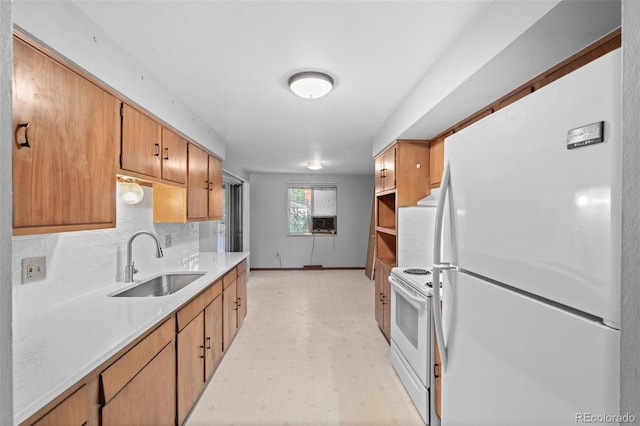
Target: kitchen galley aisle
(309, 353)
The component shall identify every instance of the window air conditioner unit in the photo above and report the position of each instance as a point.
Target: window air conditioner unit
(323, 224)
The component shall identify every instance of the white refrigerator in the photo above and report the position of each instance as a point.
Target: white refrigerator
(528, 241)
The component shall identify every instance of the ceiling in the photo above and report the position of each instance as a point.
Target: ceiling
(229, 62)
(402, 69)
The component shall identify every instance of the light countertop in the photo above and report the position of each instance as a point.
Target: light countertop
(56, 349)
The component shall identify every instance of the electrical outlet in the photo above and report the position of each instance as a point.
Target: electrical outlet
(167, 241)
(277, 255)
(34, 269)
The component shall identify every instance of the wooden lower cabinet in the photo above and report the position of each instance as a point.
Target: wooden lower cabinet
(383, 298)
(157, 379)
(200, 347)
(149, 398)
(242, 297)
(125, 385)
(229, 309)
(437, 382)
(191, 355)
(73, 411)
(212, 336)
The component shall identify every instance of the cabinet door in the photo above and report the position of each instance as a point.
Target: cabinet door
(437, 380)
(379, 180)
(379, 294)
(436, 162)
(213, 336)
(149, 398)
(198, 184)
(242, 297)
(65, 178)
(190, 365)
(174, 157)
(215, 188)
(141, 139)
(386, 304)
(229, 303)
(73, 411)
(390, 169)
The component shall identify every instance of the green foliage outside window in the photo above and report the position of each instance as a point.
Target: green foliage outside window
(299, 210)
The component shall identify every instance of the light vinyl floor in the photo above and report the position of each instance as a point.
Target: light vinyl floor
(309, 353)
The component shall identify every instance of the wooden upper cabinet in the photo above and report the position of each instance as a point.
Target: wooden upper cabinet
(436, 162)
(174, 157)
(64, 149)
(215, 188)
(412, 172)
(198, 184)
(385, 165)
(141, 143)
(389, 158)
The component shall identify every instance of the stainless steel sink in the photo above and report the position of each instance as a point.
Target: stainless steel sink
(162, 285)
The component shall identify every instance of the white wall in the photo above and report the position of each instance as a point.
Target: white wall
(6, 366)
(493, 31)
(269, 224)
(61, 26)
(83, 261)
(630, 326)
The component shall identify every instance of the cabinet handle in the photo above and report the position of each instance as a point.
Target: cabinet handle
(436, 370)
(236, 308)
(166, 153)
(24, 144)
(210, 186)
(201, 351)
(206, 184)
(208, 342)
(239, 303)
(381, 299)
(157, 149)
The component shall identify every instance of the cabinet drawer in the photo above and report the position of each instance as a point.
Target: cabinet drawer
(230, 277)
(197, 305)
(242, 267)
(72, 411)
(114, 378)
(150, 398)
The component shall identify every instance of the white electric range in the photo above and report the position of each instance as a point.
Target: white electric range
(412, 337)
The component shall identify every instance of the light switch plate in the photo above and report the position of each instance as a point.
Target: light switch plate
(34, 269)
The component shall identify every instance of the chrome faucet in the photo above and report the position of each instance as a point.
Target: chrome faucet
(130, 269)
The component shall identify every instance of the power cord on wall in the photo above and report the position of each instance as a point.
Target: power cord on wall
(313, 246)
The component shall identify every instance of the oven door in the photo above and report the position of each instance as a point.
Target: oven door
(410, 325)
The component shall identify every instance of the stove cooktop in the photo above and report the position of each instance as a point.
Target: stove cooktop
(417, 277)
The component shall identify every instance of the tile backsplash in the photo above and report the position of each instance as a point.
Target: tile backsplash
(83, 261)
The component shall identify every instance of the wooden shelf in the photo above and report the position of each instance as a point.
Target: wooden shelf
(390, 231)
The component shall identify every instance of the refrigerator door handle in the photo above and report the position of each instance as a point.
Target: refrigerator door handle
(439, 266)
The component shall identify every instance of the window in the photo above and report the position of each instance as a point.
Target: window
(312, 209)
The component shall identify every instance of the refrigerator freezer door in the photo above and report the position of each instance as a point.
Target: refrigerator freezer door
(516, 361)
(531, 213)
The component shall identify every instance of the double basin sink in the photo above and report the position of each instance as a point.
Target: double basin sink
(162, 285)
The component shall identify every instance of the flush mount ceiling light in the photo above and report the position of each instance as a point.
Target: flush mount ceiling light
(314, 165)
(310, 84)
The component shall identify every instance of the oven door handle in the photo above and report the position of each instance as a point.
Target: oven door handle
(400, 288)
